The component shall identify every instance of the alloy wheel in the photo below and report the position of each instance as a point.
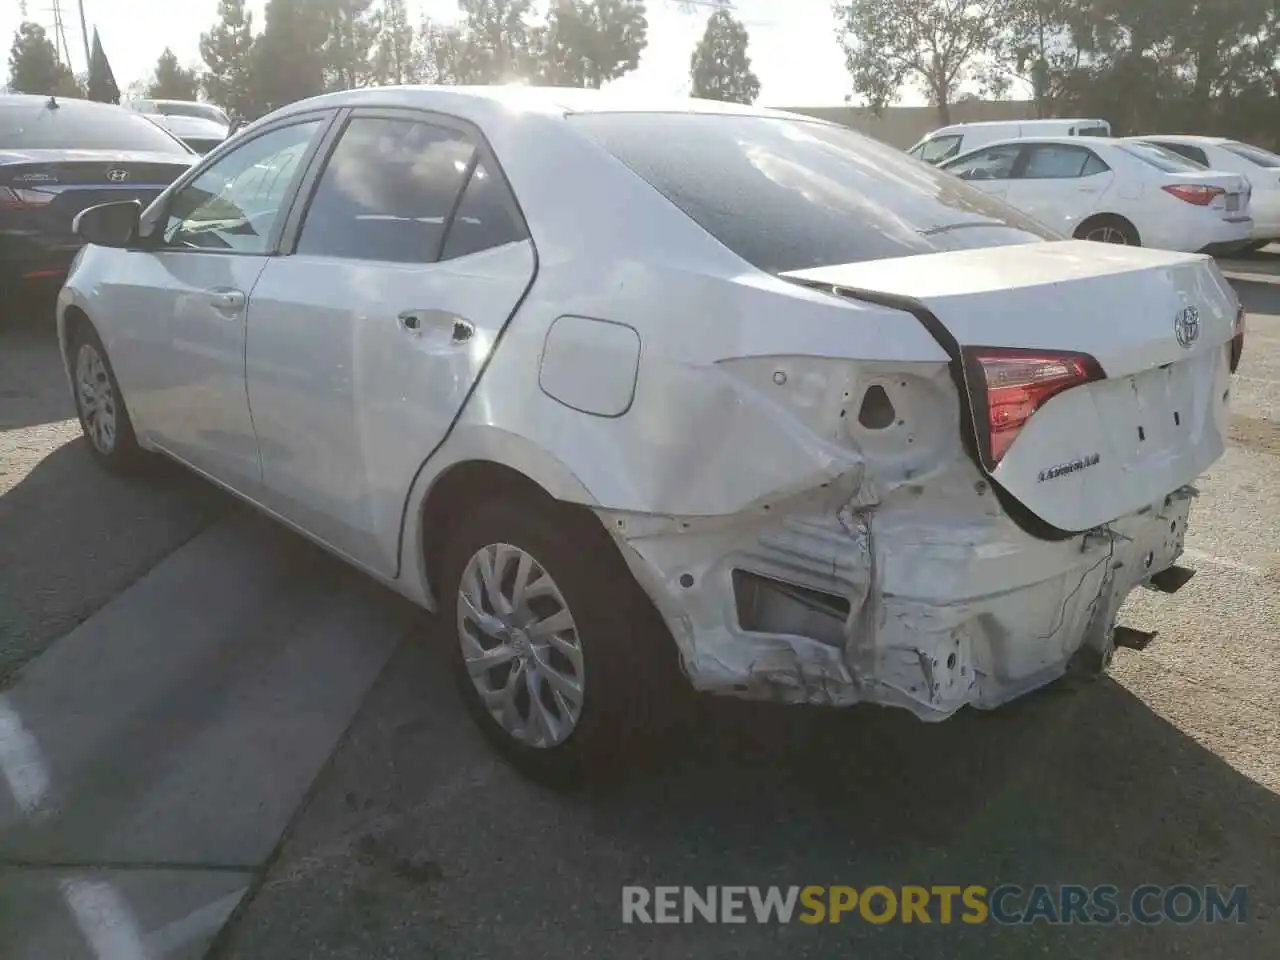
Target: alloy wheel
(1107, 234)
(520, 645)
(97, 398)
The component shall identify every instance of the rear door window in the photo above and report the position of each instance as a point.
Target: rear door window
(387, 192)
(486, 217)
(1055, 161)
(785, 194)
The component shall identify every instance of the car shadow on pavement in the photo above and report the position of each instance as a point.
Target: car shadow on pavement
(73, 536)
(33, 385)
(419, 842)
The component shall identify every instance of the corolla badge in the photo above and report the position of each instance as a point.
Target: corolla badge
(1186, 326)
(1071, 466)
(117, 175)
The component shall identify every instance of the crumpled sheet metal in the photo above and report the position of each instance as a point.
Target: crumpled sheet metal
(950, 605)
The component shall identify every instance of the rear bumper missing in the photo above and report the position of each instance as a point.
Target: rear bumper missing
(825, 603)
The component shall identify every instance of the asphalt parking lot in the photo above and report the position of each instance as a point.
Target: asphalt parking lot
(218, 741)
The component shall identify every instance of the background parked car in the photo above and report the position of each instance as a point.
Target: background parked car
(58, 157)
(201, 126)
(1115, 191)
(947, 142)
(1260, 167)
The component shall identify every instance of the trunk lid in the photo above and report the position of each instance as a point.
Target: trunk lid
(1101, 450)
(43, 190)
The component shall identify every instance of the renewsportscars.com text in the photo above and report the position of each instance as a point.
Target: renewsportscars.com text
(1006, 904)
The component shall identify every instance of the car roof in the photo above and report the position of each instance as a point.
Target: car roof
(532, 99)
(1183, 138)
(1044, 121)
(1024, 141)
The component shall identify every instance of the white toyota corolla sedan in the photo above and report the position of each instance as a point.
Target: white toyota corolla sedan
(602, 381)
(1115, 191)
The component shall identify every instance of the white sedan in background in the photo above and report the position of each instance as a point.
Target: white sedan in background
(201, 126)
(1115, 191)
(1260, 167)
(827, 423)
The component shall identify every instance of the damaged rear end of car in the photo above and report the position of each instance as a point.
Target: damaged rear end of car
(948, 506)
(978, 519)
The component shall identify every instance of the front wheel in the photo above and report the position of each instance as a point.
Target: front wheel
(553, 642)
(104, 418)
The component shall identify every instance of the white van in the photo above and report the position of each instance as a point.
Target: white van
(958, 138)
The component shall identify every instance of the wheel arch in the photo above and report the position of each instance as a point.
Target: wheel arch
(478, 462)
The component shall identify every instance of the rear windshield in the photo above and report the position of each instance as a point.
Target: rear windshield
(1162, 159)
(75, 126)
(1263, 158)
(789, 194)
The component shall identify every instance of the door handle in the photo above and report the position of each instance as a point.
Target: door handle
(227, 300)
(414, 322)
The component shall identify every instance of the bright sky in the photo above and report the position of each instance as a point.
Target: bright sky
(793, 46)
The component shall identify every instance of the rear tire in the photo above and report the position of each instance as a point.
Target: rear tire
(574, 654)
(1109, 228)
(100, 406)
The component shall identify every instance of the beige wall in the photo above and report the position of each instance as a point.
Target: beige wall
(903, 126)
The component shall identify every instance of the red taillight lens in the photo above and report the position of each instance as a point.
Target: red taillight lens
(20, 199)
(1009, 385)
(1195, 193)
(1237, 341)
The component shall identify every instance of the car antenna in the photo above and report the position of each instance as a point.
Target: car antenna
(53, 103)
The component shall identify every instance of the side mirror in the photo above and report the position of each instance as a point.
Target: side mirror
(109, 224)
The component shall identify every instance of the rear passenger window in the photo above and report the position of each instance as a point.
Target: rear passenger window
(1056, 162)
(485, 218)
(1094, 164)
(387, 192)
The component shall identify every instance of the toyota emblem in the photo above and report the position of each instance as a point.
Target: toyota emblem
(1187, 326)
(117, 175)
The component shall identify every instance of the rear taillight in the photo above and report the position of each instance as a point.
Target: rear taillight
(1008, 385)
(20, 199)
(1237, 341)
(1195, 193)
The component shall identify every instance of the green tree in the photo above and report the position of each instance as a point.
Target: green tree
(227, 51)
(394, 57)
(937, 44)
(34, 66)
(352, 28)
(289, 60)
(587, 43)
(442, 54)
(494, 43)
(720, 67)
(173, 81)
